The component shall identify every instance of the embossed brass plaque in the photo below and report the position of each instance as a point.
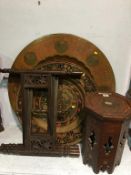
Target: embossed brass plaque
(62, 52)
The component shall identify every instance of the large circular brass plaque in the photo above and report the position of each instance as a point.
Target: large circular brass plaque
(62, 52)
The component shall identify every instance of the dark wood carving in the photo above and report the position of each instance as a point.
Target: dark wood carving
(70, 98)
(107, 117)
(40, 144)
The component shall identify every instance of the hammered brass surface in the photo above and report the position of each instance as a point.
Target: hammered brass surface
(69, 53)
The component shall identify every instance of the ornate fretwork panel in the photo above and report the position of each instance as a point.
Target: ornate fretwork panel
(71, 94)
(34, 81)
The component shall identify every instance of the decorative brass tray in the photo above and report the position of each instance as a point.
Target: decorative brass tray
(62, 52)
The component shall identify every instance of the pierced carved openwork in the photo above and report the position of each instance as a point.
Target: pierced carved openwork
(35, 81)
(70, 98)
(92, 139)
(41, 143)
(108, 146)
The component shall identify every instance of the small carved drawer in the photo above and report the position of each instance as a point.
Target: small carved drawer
(106, 123)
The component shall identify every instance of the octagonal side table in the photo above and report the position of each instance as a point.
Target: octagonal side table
(105, 130)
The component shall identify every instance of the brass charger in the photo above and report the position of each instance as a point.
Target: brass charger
(62, 52)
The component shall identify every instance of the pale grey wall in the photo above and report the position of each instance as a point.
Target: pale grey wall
(106, 23)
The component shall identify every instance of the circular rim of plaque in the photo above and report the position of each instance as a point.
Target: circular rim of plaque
(70, 49)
